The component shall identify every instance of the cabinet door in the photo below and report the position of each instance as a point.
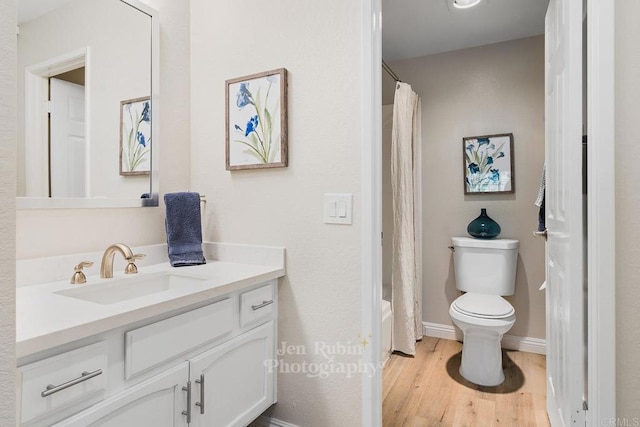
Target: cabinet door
(238, 380)
(157, 402)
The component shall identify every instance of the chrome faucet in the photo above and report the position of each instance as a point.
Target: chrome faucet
(106, 267)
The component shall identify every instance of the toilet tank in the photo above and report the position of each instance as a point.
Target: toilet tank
(485, 266)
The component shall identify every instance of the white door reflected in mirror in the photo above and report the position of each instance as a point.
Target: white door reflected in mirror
(67, 141)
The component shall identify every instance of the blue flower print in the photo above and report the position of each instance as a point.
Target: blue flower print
(140, 139)
(136, 135)
(257, 129)
(482, 165)
(244, 96)
(146, 113)
(252, 124)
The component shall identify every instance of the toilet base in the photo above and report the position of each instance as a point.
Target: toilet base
(482, 359)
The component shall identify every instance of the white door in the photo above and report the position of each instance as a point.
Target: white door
(566, 343)
(157, 402)
(67, 139)
(238, 381)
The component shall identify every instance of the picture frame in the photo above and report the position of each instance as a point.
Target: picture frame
(135, 136)
(488, 166)
(256, 121)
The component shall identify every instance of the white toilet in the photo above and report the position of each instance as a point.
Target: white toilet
(485, 270)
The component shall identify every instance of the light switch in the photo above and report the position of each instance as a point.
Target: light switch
(331, 209)
(338, 209)
(342, 209)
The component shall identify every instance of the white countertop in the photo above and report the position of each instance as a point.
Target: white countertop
(46, 319)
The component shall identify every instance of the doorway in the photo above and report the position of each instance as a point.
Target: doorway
(601, 30)
(37, 129)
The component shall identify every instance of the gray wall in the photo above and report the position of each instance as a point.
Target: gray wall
(627, 209)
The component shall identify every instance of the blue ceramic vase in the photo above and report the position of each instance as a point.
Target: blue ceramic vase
(483, 227)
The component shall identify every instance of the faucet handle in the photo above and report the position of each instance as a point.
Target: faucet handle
(131, 267)
(78, 275)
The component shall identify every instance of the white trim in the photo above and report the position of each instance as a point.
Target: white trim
(437, 330)
(601, 367)
(264, 421)
(371, 187)
(511, 342)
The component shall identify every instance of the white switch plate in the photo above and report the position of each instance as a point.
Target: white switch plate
(338, 208)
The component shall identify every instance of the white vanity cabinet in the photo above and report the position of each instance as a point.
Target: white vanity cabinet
(155, 402)
(211, 365)
(234, 383)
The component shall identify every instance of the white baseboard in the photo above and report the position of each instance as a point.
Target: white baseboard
(511, 342)
(265, 421)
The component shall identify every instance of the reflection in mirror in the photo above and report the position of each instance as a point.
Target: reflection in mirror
(79, 60)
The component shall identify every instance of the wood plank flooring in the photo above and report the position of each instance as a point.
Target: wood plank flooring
(428, 390)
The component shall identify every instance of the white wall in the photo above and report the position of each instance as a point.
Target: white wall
(82, 230)
(8, 67)
(118, 69)
(492, 89)
(320, 299)
(627, 210)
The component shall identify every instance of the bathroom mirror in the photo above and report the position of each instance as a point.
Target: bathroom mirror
(87, 104)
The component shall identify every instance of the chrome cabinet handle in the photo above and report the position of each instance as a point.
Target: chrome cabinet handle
(83, 377)
(259, 306)
(188, 411)
(201, 403)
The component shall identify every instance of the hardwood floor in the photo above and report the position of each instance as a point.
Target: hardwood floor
(427, 390)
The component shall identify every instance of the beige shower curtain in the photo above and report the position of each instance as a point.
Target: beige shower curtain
(405, 271)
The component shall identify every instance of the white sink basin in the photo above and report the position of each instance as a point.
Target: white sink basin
(112, 291)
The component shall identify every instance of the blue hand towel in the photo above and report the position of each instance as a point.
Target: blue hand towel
(184, 229)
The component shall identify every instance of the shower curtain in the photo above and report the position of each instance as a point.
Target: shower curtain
(405, 270)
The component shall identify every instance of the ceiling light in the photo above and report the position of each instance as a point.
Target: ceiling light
(464, 4)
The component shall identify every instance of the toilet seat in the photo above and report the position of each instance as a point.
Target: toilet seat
(483, 306)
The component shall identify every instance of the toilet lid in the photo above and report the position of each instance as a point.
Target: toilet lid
(482, 305)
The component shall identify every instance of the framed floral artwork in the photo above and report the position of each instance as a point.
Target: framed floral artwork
(488, 164)
(256, 121)
(135, 136)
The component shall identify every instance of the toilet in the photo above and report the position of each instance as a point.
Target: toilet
(484, 270)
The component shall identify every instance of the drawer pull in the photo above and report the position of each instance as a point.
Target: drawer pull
(259, 306)
(187, 413)
(201, 403)
(84, 377)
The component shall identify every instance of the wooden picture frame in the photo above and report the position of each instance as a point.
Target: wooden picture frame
(135, 136)
(256, 121)
(488, 166)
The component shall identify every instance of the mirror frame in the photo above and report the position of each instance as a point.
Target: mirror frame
(23, 203)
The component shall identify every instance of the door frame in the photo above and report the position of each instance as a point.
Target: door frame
(601, 336)
(600, 213)
(36, 133)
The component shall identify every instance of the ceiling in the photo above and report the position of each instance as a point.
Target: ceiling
(32, 9)
(412, 28)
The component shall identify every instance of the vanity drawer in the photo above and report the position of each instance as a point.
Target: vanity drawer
(160, 342)
(257, 304)
(75, 378)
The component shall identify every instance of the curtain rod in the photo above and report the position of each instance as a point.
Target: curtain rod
(390, 71)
